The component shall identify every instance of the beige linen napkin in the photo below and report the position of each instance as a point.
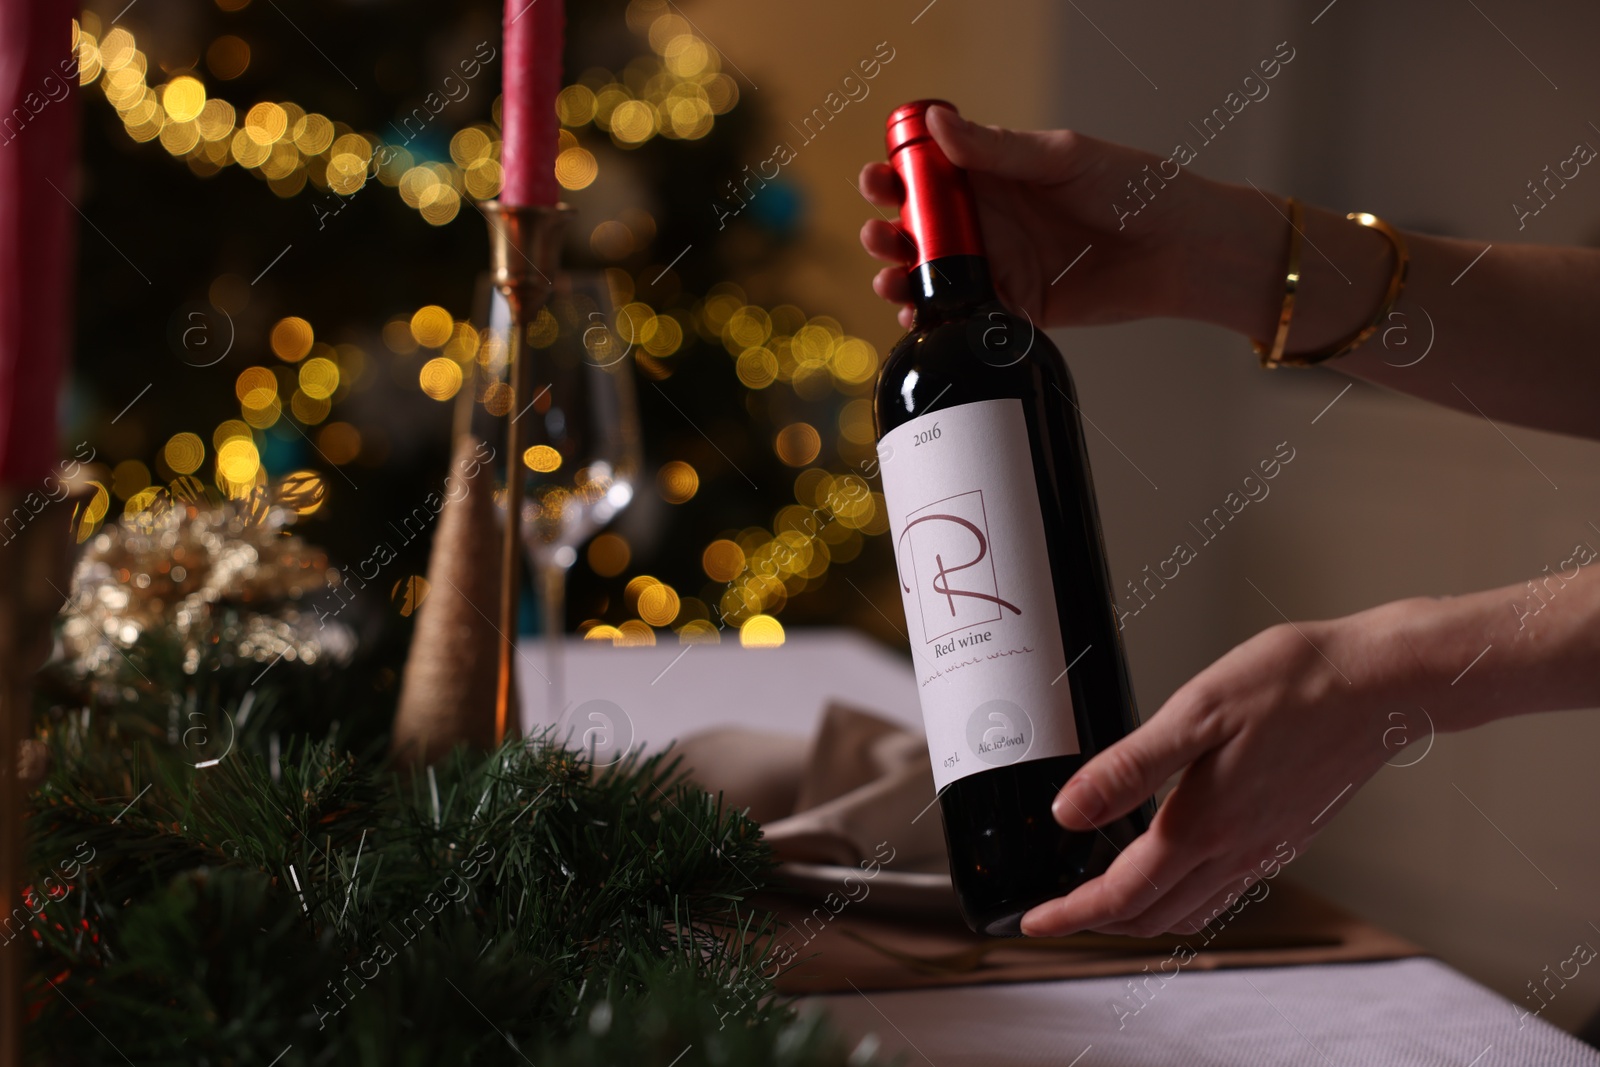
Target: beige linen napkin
(833, 798)
(863, 780)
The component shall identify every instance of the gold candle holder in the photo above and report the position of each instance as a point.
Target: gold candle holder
(524, 255)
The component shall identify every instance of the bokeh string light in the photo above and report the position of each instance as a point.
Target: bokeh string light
(675, 92)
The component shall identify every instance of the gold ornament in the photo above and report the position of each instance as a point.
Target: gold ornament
(227, 583)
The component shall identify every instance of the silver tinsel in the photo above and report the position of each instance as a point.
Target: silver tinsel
(226, 584)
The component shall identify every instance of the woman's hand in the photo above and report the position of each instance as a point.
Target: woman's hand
(1044, 197)
(1272, 740)
(1277, 735)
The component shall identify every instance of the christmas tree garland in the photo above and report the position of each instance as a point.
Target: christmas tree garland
(291, 903)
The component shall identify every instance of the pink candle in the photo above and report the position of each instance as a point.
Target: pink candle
(532, 78)
(39, 98)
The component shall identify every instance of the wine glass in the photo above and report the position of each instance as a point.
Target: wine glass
(579, 437)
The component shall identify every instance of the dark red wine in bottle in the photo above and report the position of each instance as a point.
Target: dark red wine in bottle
(1002, 570)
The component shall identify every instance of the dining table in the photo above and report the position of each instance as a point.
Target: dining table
(1402, 1012)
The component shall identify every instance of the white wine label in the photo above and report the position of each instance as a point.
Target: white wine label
(974, 573)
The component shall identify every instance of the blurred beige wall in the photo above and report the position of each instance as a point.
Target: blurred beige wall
(1426, 114)
(796, 54)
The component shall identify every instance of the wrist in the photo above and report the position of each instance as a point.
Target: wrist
(1467, 660)
(1235, 262)
(1232, 259)
(1377, 651)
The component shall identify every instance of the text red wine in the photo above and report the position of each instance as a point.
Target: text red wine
(1000, 561)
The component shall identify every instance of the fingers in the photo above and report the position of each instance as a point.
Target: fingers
(891, 284)
(885, 241)
(1228, 901)
(1147, 869)
(1129, 772)
(1028, 155)
(1204, 886)
(881, 185)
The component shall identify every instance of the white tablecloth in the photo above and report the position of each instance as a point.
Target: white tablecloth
(1396, 1014)
(1402, 1013)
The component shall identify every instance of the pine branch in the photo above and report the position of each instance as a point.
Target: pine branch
(522, 904)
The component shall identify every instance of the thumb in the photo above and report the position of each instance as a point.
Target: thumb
(1128, 773)
(1028, 155)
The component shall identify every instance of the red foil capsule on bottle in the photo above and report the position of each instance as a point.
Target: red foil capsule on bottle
(940, 215)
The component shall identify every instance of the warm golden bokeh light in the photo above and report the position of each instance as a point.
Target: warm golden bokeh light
(576, 168)
(313, 135)
(635, 633)
(228, 57)
(463, 344)
(440, 377)
(854, 361)
(398, 337)
(129, 477)
(238, 460)
(309, 410)
(92, 512)
(472, 143)
(658, 604)
(543, 330)
(661, 335)
(292, 339)
(798, 444)
(609, 555)
(757, 367)
(319, 377)
(699, 632)
(855, 422)
(575, 105)
(264, 417)
(215, 120)
(304, 491)
(612, 240)
(228, 429)
(265, 123)
(431, 326)
(636, 585)
(497, 399)
(141, 500)
(183, 98)
(761, 631)
(542, 458)
(678, 482)
(722, 560)
(256, 387)
(184, 453)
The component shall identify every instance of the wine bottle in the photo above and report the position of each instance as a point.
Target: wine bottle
(1001, 565)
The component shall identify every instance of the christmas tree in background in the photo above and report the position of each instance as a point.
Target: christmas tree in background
(292, 191)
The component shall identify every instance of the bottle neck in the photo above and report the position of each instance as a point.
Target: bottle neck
(950, 274)
(950, 287)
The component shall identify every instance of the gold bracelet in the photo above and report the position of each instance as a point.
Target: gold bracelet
(1273, 357)
(1397, 282)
